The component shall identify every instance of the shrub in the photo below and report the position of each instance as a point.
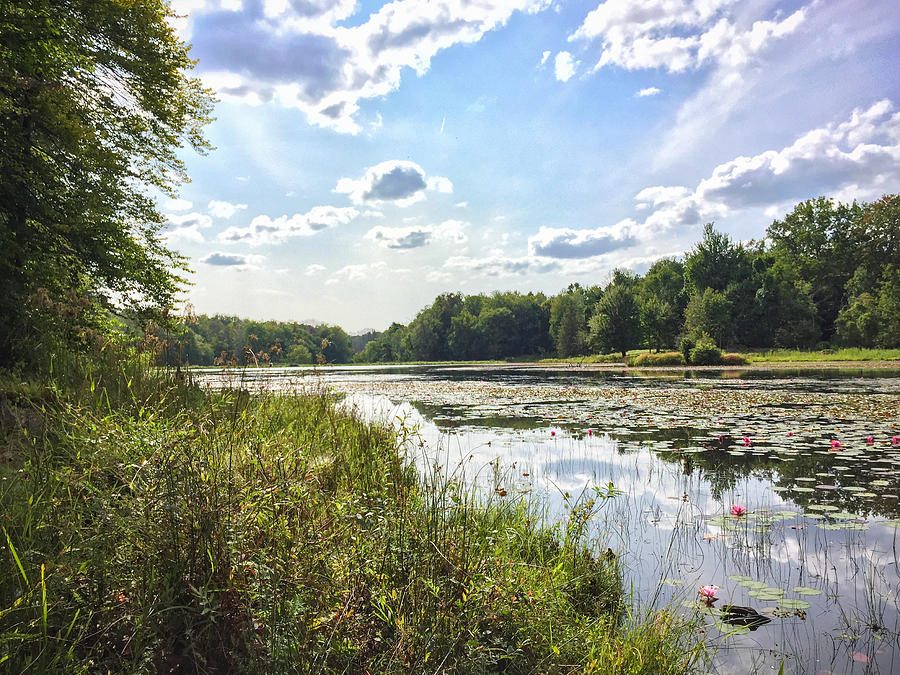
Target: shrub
(662, 359)
(705, 353)
(732, 359)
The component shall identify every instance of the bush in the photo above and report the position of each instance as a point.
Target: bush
(705, 353)
(662, 359)
(732, 359)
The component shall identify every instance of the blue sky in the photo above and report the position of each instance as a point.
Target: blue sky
(372, 155)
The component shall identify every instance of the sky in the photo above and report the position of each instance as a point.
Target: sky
(370, 156)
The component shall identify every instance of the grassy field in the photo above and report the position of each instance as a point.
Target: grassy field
(148, 526)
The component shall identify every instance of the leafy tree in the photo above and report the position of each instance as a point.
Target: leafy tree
(566, 324)
(495, 330)
(857, 324)
(657, 321)
(889, 309)
(709, 312)
(714, 263)
(464, 336)
(95, 103)
(298, 354)
(335, 344)
(817, 240)
(616, 322)
(662, 301)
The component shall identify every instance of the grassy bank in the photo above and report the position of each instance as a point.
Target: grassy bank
(151, 527)
(848, 354)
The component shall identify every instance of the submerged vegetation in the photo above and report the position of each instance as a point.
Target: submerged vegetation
(152, 526)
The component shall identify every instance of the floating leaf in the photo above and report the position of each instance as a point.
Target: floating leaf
(806, 590)
(791, 603)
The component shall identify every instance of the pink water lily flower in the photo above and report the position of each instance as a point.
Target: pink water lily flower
(870, 440)
(895, 440)
(738, 510)
(708, 593)
(747, 441)
(835, 443)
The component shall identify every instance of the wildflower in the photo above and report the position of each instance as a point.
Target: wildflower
(738, 510)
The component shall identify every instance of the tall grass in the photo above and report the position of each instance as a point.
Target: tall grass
(149, 526)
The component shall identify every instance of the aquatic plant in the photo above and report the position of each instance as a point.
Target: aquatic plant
(707, 593)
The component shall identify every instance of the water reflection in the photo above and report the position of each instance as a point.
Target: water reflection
(817, 552)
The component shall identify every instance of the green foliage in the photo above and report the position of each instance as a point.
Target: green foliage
(95, 105)
(714, 263)
(705, 352)
(709, 312)
(816, 240)
(733, 359)
(568, 322)
(857, 324)
(616, 322)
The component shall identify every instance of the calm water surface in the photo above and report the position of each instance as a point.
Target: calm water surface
(810, 455)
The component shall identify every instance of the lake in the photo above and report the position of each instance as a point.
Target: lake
(811, 457)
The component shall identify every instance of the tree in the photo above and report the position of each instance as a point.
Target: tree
(566, 319)
(616, 322)
(819, 240)
(95, 102)
(709, 312)
(714, 263)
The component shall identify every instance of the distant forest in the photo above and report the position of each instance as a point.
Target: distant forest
(827, 274)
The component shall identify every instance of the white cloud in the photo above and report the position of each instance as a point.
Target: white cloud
(314, 270)
(360, 272)
(225, 210)
(569, 243)
(265, 230)
(236, 261)
(405, 238)
(865, 149)
(545, 56)
(176, 205)
(565, 66)
(296, 53)
(185, 227)
(677, 35)
(440, 184)
(400, 182)
(649, 91)
(497, 266)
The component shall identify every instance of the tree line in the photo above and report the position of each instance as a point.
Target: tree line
(827, 274)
